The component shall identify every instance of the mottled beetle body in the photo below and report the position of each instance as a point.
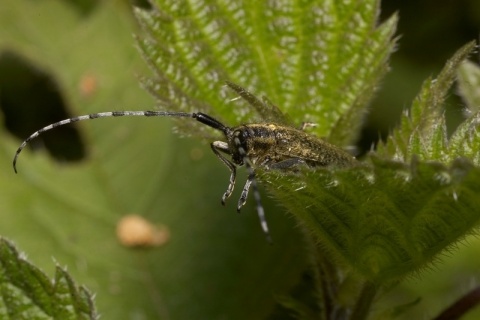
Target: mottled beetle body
(272, 145)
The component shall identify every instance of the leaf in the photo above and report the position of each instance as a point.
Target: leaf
(69, 211)
(388, 218)
(304, 56)
(464, 141)
(422, 131)
(27, 293)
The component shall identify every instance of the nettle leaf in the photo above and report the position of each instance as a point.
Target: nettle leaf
(27, 293)
(465, 140)
(384, 220)
(319, 61)
(422, 131)
(393, 214)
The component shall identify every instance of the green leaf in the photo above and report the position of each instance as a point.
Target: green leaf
(27, 293)
(422, 131)
(388, 218)
(69, 211)
(319, 61)
(465, 140)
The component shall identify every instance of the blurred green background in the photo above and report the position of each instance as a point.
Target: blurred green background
(64, 58)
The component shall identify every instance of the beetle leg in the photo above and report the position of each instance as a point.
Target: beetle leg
(260, 211)
(306, 125)
(220, 146)
(246, 188)
(256, 194)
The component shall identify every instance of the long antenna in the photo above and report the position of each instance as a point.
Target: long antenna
(201, 117)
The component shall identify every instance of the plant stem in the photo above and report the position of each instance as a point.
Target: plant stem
(461, 306)
(365, 299)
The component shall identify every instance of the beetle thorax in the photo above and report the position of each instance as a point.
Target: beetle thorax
(254, 142)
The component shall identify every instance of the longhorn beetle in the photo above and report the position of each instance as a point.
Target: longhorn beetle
(272, 144)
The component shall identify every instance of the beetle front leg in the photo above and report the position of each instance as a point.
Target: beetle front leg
(220, 146)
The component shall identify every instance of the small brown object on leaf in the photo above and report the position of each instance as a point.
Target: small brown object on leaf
(135, 231)
(88, 85)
